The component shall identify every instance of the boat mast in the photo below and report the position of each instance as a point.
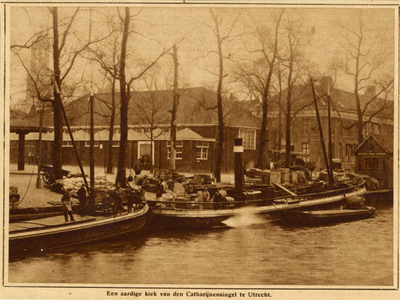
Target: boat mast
(91, 154)
(321, 133)
(330, 133)
(39, 150)
(70, 134)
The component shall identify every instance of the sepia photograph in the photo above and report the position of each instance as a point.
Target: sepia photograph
(199, 150)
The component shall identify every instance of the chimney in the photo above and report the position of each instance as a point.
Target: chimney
(238, 150)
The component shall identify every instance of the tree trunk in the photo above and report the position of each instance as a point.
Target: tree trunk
(111, 133)
(172, 161)
(360, 123)
(263, 134)
(121, 174)
(289, 104)
(58, 123)
(288, 116)
(262, 146)
(220, 141)
(288, 138)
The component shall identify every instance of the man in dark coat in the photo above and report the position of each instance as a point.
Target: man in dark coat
(82, 200)
(137, 167)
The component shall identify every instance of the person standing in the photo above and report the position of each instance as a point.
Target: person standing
(67, 206)
(118, 199)
(206, 195)
(165, 188)
(106, 204)
(82, 195)
(30, 157)
(137, 167)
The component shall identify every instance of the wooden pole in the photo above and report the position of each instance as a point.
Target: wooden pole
(321, 133)
(39, 150)
(330, 137)
(91, 154)
(21, 150)
(71, 136)
(172, 161)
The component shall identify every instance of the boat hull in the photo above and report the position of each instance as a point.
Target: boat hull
(44, 237)
(189, 219)
(328, 216)
(165, 214)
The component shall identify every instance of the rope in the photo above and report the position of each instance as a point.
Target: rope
(27, 188)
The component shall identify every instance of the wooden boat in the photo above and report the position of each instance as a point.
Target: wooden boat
(39, 235)
(30, 236)
(184, 213)
(328, 216)
(18, 214)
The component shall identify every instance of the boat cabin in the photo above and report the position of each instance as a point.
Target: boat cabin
(374, 157)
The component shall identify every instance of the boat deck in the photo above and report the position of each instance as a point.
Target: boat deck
(48, 223)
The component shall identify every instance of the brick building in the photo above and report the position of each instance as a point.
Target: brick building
(196, 135)
(305, 135)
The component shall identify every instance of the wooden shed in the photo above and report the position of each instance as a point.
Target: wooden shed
(374, 157)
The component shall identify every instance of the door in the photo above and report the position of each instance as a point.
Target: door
(144, 154)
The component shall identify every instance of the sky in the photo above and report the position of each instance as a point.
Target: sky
(157, 27)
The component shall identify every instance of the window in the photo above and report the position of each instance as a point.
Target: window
(372, 164)
(115, 143)
(249, 138)
(95, 144)
(305, 148)
(201, 150)
(67, 144)
(178, 153)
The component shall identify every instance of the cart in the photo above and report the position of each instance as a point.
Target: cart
(48, 175)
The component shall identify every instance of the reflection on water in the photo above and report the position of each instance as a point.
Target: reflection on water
(255, 250)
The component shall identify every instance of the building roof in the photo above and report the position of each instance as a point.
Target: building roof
(25, 125)
(197, 106)
(384, 142)
(342, 101)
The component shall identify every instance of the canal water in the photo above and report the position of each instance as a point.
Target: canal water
(255, 250)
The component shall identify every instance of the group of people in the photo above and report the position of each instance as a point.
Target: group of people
(202, 196)
(85, 207)
(112, 201)
(32, 159)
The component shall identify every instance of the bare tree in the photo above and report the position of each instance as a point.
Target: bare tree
(175, 102)
(107, 56)
(222, 36)
(257, 75)
(363, 61)
(293, 61)
(125, 89)
(66, 49)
